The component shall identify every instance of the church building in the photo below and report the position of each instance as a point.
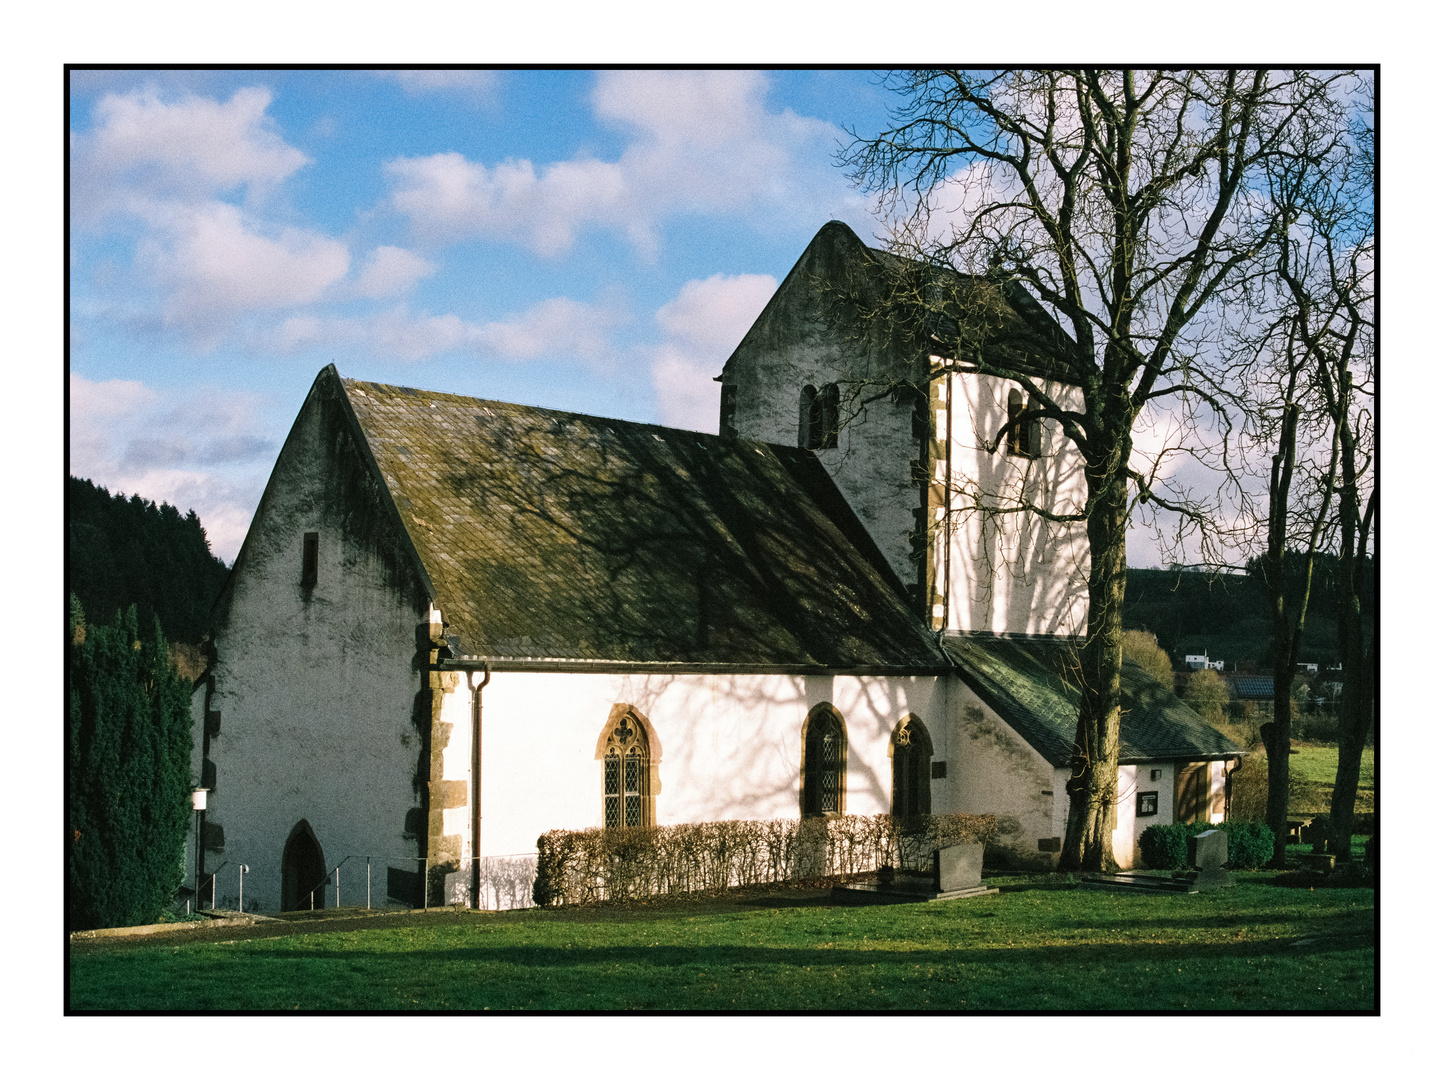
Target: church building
(456, 624)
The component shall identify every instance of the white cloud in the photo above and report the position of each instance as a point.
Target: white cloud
(205, 452)
(448, 197)
(391, 271)
(143, 148)
(703, 325)
(201, 262)
(559, 327)
(480, 86)
(217, 264)
(715, 313)
(702, 142)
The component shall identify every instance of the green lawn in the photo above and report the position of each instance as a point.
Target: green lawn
(1257, 946)
(1313, 770)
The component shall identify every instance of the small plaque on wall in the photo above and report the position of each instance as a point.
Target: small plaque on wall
(1147, 803)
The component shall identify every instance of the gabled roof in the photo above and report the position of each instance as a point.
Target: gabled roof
(838, 277)
(1029, 683)
(557, 535)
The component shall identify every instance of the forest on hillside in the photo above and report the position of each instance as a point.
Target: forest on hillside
(123, 551)
(1227, 615)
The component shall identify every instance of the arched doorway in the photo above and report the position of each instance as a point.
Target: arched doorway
(303, 868)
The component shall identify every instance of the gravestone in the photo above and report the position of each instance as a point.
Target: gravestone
(1207, 852)
(958, 867)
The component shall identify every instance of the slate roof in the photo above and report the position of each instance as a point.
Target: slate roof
(557, 535)
(1027, 682)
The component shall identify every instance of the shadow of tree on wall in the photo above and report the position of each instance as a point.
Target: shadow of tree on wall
(558, 535)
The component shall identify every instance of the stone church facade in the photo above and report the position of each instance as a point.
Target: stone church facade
(456, 624)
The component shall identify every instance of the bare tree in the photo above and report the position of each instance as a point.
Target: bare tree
(1120, 206)
(1321, 336)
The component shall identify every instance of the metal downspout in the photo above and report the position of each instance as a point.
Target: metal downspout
(476, 779)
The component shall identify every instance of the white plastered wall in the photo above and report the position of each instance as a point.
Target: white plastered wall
(1014, 572)
(730, 746)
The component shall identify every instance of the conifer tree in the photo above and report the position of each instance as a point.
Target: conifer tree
(128, 757)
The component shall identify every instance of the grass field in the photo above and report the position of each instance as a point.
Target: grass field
(1255, 947)
(1313, 769)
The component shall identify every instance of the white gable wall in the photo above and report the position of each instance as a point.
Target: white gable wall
(315, 688)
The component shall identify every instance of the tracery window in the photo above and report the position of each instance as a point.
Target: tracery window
(912, 753)
(824, 763)
(626, 773)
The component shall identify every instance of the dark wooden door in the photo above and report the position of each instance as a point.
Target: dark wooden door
(303, 871)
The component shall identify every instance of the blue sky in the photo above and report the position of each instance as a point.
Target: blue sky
(583, 240)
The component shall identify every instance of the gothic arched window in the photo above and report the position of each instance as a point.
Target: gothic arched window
(806, 401)
(824, 763)
(911, 750)
(628, 798)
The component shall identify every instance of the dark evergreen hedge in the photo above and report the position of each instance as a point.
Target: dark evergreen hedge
(128, 757)
(1165, 847)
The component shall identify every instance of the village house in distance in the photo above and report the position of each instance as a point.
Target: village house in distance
(456, 624)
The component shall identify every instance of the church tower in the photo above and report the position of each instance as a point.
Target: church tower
(910, 438)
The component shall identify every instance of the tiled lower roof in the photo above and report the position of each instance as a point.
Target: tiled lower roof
(1029, 682)
(563, 536)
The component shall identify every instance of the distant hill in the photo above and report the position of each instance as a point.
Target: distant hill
(1227, 615)
(131, 551)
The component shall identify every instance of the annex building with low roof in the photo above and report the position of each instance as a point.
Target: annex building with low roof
(456, 624)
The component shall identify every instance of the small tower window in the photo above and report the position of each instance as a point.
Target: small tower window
(817, 417)
(310, 547)
(804, 416)
(727, 424)
(1026, 439)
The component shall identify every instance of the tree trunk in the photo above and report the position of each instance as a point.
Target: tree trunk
(1093, 786)
(1278, 735)
(1356, 716)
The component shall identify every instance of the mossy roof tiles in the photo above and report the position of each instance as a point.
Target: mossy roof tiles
(1029, 682)
(564, 536)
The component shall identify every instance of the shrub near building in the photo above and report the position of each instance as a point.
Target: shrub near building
(128, 758)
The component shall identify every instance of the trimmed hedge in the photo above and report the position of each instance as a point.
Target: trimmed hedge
(1165, 847)
(585, 866)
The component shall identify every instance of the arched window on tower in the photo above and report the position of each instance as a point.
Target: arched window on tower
(824, 763)
(628, 786)
(1026, 439)
(911, 750)
(817, 417)
(727, 421)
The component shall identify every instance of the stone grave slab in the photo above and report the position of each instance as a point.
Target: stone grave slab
(957, 873)
(1207, 852)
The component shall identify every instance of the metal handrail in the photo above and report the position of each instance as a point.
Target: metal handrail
(333, 876)
(211, 877)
